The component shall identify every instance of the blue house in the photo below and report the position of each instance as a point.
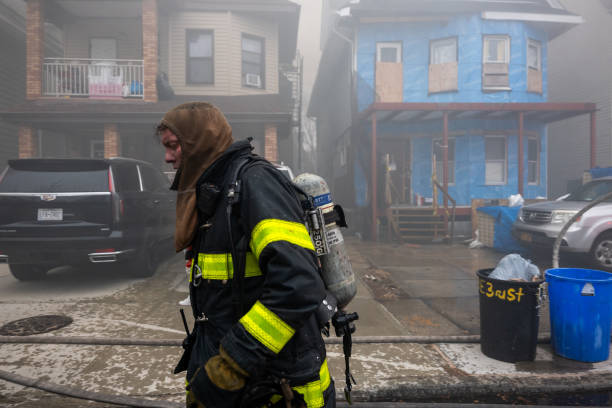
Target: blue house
(422, 103)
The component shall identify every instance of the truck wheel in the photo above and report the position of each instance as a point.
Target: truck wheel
(601, 252)
(24, 272)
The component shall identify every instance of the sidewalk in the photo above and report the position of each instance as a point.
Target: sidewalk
(452, 371)
(403, 290)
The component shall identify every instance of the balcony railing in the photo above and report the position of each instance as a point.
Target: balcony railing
(93, 78)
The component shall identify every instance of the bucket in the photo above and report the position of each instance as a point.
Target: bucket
(508, 318)
(580, 313)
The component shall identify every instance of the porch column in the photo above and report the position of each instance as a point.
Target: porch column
(521, 120)
(271, 143)
(26, 142)
(445, 161)
(34, 48)
(149, 49)
(111, 140)
(374, 176)
(593, 139)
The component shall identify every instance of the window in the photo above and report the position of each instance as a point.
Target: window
(496, 49)
(126, 177)
(389, 52)
(495, 63)
(439, 155)
(533, 160)
(443, 51)
(252, 61)
(534, 55)
(495, 160)
(200, 60)
(152, 180)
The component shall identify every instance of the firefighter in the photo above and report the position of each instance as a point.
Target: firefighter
(256, 340)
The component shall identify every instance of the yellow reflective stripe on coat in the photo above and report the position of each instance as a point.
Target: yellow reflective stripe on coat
(269, 329)
(220, 266)
(313, 391)
(272, 230)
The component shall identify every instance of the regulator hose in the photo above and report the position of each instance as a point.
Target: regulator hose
(557, 244)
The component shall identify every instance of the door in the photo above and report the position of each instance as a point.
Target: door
(103, 48)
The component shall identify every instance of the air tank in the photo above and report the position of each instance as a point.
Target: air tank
(335, 264)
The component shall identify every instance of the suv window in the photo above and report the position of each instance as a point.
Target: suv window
(152, 180)
(50, 177)
(591, 191)
(126, 177)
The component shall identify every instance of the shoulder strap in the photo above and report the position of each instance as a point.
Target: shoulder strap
(239, 250)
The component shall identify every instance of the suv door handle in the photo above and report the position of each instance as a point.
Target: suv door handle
(155, 201)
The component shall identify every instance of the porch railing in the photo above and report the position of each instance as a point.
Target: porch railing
(117, 78)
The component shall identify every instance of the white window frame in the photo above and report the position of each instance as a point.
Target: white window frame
(504, 161)
(451, 163)
(538, 46)
(96, 146)
(262, 61)
(487, 37)
(537, 161)
(442, 42)
(395, 44)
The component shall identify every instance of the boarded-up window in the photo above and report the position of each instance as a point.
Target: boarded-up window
(495, 160)
(200, 59)
(533, 160)
(495, 61)
(439, 159)
(389, 72)
(443, 65)
(534, 66)
(252, 61)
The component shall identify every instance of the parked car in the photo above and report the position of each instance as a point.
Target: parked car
(78, 211)
(539, 224)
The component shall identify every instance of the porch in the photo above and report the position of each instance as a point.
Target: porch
(438, 115)
(93, 78)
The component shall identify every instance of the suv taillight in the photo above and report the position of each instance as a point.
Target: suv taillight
(118, 209)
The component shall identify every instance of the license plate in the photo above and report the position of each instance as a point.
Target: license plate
(525, 236)
(50, 214)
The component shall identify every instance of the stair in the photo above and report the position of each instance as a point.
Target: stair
(417, 224)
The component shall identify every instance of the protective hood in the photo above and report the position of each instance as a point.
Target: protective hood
(203, 134)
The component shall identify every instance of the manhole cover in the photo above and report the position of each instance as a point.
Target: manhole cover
(34, 325)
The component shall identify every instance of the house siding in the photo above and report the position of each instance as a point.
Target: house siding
(12, 84)
(580, 62)
(227, 28)
(127, 32)
(469, 31)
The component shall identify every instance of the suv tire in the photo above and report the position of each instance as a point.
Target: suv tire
(143, 265)
(24, 272)
(601, 253)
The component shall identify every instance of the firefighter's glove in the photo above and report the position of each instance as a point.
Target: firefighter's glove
(225, 373)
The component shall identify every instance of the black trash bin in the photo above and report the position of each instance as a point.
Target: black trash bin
(508, 318)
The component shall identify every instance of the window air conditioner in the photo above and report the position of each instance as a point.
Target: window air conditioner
(253, 80)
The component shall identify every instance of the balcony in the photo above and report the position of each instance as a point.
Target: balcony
(94, 79)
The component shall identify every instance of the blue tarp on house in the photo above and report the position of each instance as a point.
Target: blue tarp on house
(504, 218)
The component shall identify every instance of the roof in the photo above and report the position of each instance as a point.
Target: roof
(269, 108)
(545, 112)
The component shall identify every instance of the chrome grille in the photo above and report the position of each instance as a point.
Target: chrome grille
(536, 217)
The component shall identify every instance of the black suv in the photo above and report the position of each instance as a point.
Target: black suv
(75, 211)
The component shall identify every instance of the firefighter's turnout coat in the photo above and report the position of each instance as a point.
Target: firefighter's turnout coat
(277, 336)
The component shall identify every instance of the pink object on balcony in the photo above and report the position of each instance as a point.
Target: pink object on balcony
(103, 83)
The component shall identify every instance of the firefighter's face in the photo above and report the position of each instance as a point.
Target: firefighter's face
(173, 148)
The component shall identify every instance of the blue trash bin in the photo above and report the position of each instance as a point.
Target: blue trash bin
(580, 303)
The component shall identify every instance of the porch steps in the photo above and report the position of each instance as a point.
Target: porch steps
(416, 224)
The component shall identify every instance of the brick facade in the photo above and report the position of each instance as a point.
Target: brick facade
(27, 142)
(111, 140)
(149, 49)
(34, 48)
(271, 143)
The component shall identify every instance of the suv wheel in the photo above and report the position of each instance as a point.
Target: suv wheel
(28, 272)
(602, 252)
(143, 266)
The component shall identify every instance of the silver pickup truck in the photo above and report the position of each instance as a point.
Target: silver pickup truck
(539, 224)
